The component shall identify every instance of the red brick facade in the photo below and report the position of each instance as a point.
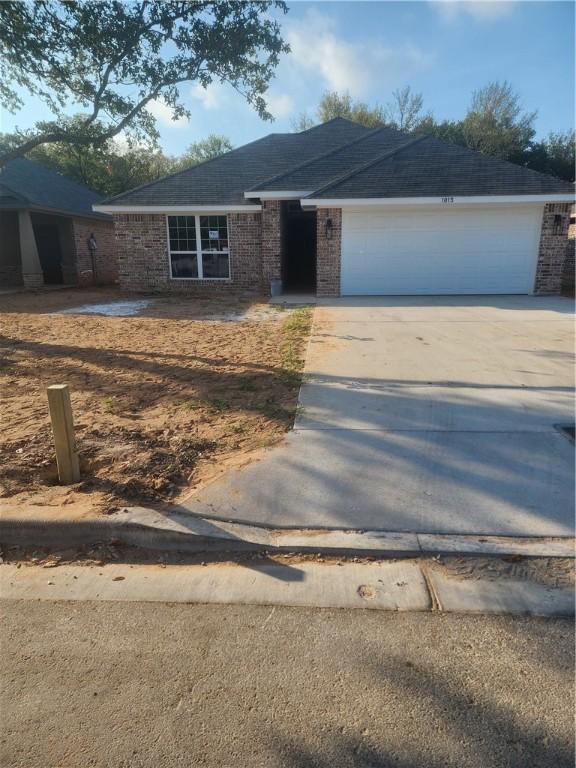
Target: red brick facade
(143, 264)
(255, 241)
(103, 269)
(271, 242)
(328, 250)
(552, 250)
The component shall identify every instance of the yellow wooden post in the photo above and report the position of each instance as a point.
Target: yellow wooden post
(63, 429)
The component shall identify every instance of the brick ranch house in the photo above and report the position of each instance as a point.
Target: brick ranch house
(340, 209)
(47, 227)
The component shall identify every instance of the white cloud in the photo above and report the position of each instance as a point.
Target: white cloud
(211, 97)
(281, 105)
(123, 143)
(163, 114)
(481, 10)
(347, 66)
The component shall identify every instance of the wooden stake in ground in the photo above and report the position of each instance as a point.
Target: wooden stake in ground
(63, 429)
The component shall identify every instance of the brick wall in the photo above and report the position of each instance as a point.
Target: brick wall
(568, 276)
(552, 250)
(105, 258)
(245, 238)
(271, 242)
(328, 252)
(142, 248)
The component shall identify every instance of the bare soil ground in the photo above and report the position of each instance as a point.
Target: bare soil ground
(162, 400)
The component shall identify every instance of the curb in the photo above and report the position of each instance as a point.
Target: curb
(178, 531)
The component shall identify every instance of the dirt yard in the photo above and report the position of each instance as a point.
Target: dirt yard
(163, 400)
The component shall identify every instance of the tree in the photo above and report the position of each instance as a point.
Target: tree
(496, 124)
(112, 167)
(334, 104)
(200, 151)
(302, 123)
(115, 58)
(404, 112)
(554, 154)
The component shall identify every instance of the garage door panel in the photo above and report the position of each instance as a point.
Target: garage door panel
(437, 251)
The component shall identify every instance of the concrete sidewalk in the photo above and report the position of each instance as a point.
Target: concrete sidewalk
(432, 415)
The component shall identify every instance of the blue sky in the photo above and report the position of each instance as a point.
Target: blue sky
(444, 49)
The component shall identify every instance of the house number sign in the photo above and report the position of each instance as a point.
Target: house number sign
(447, 199)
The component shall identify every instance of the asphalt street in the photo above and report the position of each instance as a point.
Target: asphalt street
(160, 685)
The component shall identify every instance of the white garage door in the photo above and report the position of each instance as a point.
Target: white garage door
(434, 250)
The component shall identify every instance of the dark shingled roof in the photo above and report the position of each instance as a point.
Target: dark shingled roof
(225, 178)
(433, 168)
(315, 173)
(26, 184)
(341, 159)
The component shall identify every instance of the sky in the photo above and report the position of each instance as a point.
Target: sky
(444, 49)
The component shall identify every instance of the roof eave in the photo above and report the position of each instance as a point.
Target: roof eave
(447, 200)
(190, 209)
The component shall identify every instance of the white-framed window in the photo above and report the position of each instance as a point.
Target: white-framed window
(198, 247)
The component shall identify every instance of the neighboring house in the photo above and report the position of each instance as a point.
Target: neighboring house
(344, 210)
(46, 223)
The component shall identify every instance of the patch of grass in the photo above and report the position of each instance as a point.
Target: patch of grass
(295, 330)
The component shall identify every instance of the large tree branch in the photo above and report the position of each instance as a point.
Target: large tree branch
(53, 137)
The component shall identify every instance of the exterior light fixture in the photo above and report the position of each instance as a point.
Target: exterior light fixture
(557, 223)
(92, 246)
(92, 243)
(329, 229)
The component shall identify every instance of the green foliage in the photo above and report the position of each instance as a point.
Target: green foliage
(295, 329)
(114, 58)
(494, 124)
(555, 155)
(200, 151)
(112, 168)
(403, 112)
(334, 105)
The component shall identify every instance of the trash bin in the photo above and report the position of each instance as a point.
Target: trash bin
(275, 287)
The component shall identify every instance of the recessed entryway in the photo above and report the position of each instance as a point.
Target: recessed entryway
(298, 248)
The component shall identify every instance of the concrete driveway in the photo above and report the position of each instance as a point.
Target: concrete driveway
(432, 415)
